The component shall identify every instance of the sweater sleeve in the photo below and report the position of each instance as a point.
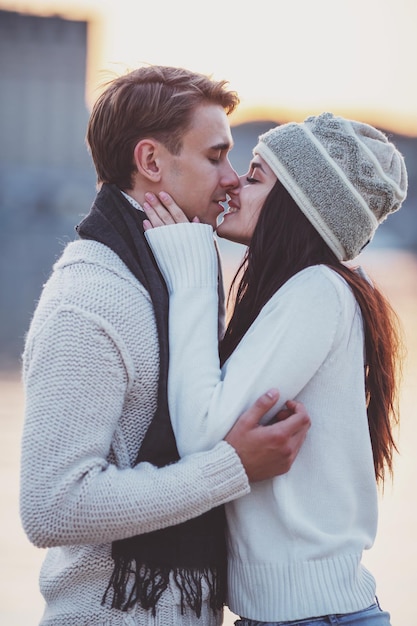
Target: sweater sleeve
(70, 492)
(284, 347)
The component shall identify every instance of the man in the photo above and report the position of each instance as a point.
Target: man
(135, 535)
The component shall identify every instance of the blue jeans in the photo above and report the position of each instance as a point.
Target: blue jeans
(372, 616)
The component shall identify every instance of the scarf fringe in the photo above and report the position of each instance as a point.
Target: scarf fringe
(144, 585)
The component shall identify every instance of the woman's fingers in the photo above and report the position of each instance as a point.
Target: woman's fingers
(172, 207)
(162, 210)
(153, 219)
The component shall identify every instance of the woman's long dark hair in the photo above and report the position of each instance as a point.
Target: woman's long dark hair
(284, 243)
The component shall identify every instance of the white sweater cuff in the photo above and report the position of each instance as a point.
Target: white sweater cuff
(185, 254)
(225, 473)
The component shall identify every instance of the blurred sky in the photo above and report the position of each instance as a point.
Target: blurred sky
(286, 59)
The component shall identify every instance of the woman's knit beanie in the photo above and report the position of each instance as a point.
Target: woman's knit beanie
(344, 175)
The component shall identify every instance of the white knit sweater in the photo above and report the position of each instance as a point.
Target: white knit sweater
(295, 542)
(90, 375)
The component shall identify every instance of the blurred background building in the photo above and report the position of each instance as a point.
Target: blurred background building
(46, 176)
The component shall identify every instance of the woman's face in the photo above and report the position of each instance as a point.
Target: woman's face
(246, 202)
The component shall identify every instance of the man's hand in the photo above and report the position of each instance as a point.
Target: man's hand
(268, 451)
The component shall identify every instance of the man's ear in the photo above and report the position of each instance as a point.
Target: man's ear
(146, 157)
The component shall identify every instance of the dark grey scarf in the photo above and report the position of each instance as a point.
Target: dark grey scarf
(192, 552)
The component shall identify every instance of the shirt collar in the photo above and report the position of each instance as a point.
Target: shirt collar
(132, 201)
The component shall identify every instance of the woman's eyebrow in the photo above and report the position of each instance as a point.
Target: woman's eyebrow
(255, 166)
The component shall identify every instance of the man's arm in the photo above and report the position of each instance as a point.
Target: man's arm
(267, 451)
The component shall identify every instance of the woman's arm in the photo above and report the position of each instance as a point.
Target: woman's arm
(283, 348)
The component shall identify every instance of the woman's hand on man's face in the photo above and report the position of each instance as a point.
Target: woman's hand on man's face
(161, 210)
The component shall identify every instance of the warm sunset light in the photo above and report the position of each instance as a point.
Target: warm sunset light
(286, 59)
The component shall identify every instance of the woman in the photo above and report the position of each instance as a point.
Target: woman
(312, 199)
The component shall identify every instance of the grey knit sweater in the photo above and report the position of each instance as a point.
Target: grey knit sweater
(90, 376)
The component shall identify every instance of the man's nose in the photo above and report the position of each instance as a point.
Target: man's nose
(230, 179)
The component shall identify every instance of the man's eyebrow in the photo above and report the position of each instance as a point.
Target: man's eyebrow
(222, 146)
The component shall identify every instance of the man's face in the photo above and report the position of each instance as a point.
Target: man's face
(201, 175)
